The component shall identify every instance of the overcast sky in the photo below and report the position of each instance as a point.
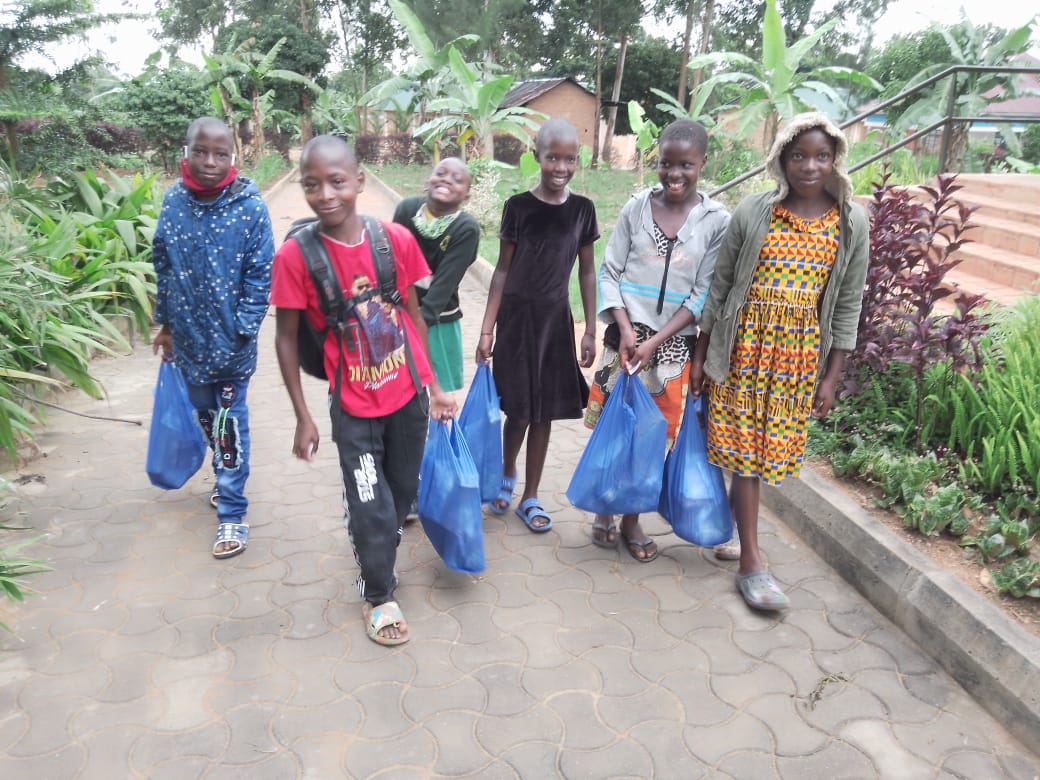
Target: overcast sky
(128, 44)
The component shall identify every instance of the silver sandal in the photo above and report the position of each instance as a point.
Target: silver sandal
(760, 591)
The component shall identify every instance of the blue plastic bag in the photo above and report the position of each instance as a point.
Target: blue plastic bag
(620, 471)
(449, 500)
(481, 424)
(176, 446)
(693, 496)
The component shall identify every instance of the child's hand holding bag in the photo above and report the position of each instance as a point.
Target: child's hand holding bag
(176, 446)
(621, 469)
(449, 500)
(481, 424)
(693, 496)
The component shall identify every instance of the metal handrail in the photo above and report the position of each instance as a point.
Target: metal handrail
(946, 122)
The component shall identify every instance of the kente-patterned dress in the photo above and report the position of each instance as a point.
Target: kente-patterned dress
(760, 413)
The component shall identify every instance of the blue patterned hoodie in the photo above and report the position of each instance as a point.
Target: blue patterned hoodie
(213, 266)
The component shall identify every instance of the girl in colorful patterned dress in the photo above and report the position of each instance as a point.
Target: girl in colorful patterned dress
(782, 314)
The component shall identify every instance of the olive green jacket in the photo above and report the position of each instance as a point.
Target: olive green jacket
(842, 296)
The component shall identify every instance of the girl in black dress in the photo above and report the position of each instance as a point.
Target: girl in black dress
(528, 325)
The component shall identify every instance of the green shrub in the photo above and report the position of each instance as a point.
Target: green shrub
(1030, 141)
(1020, 578)
(13, 571)
(267, 170)
(993, 418)
(73, 256)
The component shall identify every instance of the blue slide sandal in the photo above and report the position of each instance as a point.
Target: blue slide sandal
(505, 495)
(531, 509)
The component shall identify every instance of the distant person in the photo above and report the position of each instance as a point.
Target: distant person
(449, 239)
(781, 316)
(653, 284)
(528, 325)
(212, 254)
(380, 419)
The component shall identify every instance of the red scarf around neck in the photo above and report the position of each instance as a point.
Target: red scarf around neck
(201, 190)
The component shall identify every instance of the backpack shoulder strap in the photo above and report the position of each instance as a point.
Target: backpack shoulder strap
(386, 271)
(382, 259)
(319, 265)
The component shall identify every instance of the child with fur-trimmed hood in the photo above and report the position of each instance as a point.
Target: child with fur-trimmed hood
(781, 316)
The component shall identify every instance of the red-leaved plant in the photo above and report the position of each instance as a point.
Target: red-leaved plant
(913, 240)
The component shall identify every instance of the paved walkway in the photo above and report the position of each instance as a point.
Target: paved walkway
(143, 657)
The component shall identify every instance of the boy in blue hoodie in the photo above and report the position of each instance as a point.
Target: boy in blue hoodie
(212, 253)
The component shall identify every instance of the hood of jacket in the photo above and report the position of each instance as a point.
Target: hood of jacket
(839, 185)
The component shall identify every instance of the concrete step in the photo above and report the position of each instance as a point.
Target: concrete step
(1002, 231)
(994, 292)
(1002, 258)
(1023, 212)
(1000, 266)
(1006, 187)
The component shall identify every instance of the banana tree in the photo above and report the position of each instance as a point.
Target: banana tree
(968, 93)
(646, 132)
(225, 96)
(256, 71)
(474, 110)
(429, 71)
(779, 86)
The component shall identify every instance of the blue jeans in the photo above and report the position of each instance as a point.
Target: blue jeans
(224, 417)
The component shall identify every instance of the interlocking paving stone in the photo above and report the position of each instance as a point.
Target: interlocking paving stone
(143, 657)
(410, 752)
(623, 758)
(748, 763)
(711, 744)
(836, 760)
(464, 693)
(888, 754)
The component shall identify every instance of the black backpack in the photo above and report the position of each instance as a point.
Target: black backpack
(310, 343)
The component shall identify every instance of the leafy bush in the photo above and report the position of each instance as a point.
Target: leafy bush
(1020, 578)
(14, 570)
(903, 332)
(1030, 141)
(267, 170)
(72, 256)
(729, 158)
(55, 146)
(508, 149)
(396, 148)
(941, 410)
(115, 139)
(903, 166)
(162, 104)
(992, 418)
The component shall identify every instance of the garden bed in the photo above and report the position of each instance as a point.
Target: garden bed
(944, 551)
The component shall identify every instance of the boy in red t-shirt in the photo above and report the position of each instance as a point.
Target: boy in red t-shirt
(381, 429)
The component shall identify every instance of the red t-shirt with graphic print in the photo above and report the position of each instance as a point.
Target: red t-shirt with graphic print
(376, 378)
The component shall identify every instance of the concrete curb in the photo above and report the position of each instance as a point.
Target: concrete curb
(994, 658)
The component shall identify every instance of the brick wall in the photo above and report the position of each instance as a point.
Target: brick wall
(569, 101)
